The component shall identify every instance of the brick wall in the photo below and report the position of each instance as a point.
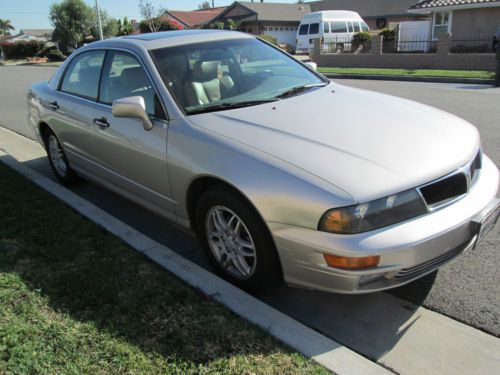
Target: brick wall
(376, 59)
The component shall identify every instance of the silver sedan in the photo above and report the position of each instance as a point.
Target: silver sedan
(280, 172)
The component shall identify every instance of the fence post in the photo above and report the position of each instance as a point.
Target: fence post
(376, 44)
(316, 52)
(497, 75)
(444, 44)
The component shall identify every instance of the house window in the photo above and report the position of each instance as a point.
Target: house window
(441, 23)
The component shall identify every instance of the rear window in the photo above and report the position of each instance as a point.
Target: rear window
(338, 27)
(303, 29)
(357, 29)
(314, 28)
(364, 27)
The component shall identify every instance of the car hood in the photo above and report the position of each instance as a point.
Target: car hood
(368, 144)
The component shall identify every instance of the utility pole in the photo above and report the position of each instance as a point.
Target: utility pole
(99, 18)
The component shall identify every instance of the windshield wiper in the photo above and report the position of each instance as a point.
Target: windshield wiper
(229, 105)
(297, 89)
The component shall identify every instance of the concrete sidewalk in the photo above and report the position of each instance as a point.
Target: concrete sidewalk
(398, 335)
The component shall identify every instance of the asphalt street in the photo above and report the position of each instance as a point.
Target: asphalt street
(466, 289)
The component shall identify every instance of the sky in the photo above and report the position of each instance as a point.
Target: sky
(34, 14)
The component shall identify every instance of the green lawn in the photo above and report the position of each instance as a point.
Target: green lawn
(414, 73)
(74, 299)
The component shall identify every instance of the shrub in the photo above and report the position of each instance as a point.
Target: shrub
(269, 39)
(164, 25)
(361, 39)
(55, 55)
(22, 50)
(46, 49)
(388, 34)
(287, 47)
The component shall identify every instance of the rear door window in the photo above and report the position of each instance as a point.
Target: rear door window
(357, 29)
(314, 28)
(82, 76)
(364, 27)
(339, 27)
(303, 29)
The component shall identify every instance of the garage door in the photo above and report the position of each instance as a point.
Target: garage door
(284, 34)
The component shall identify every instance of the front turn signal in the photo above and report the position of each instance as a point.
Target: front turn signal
(351, 263)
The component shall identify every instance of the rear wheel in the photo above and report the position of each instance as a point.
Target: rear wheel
(235, 240)
(58, 160)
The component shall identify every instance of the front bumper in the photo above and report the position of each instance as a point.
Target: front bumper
(407, 250)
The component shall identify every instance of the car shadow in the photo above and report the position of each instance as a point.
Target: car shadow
(370, 324)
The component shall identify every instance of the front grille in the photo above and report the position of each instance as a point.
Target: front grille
(475, 165)
(408, 273)
(445, 189)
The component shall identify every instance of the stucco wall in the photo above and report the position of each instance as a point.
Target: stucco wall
(484, 21)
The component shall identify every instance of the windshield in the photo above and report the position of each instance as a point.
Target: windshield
(222, 74)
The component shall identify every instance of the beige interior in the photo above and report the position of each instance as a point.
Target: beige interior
(208, 83)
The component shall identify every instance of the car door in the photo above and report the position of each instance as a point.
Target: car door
(130, 158)
(73, 104)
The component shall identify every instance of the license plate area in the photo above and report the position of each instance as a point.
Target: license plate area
(486, 220)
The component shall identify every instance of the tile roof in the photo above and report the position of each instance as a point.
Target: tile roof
(427, 4)
(195, 17)
(366, 8)
(277, 11)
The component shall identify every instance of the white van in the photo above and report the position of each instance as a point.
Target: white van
(336, 27)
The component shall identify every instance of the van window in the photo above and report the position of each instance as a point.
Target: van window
(356, 27)
(326, 27)
(364, 27)
(314, 28)
(338, 27)
(303, 29)
(350, 26)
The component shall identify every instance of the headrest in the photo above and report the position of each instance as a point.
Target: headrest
(206, 70)
(133, 78)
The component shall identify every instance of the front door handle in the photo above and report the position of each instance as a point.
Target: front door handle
(102, 122)
(53, 105)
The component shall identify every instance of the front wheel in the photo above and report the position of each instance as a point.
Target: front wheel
(59, 161)
(235, 239)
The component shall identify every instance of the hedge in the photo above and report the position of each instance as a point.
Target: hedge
(22, 50)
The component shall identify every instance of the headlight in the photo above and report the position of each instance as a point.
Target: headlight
(372, 215)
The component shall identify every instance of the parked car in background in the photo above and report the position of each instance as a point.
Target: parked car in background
(280, 172)
(338, 26)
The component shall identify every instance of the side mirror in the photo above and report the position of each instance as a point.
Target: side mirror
(132, 106)
(311, 65)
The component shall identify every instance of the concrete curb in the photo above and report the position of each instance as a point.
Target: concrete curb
(305, 340)
(477, 81)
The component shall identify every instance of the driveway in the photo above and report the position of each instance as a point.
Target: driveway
(466, 289)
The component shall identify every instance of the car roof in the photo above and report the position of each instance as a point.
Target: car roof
(163, 39)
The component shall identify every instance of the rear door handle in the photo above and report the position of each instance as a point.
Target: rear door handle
(54, 105)
(103, 122)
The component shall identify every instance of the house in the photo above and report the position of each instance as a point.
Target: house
(35, 34)
(275, 19)
(461, 17)
(193, 19)
(378, 14)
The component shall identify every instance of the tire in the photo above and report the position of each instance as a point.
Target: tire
(246, 238)
(58, 160)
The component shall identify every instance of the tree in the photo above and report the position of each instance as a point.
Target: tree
(5, 27)
(72, 20)
(151, 15)
(109, 25)
(204, 5)
(124, 27)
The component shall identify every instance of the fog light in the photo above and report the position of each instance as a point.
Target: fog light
(351, 263)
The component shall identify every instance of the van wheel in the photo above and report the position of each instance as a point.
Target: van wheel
(236, 241)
